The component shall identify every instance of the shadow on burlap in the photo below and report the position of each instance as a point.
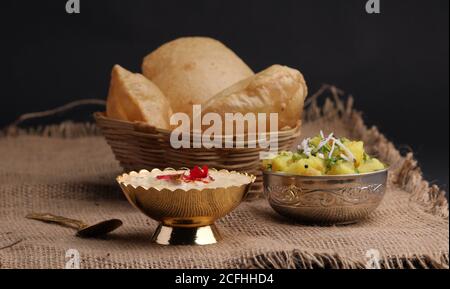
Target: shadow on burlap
(69, 170)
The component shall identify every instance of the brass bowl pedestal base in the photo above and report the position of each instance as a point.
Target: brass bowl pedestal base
(205, 235)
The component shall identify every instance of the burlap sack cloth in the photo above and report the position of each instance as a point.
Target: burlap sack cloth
(70, 170)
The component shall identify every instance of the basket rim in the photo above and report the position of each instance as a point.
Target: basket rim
(101, 116)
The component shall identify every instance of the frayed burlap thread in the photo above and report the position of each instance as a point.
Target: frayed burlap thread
(68, 169)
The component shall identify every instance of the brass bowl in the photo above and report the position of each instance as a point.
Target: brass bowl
(329, 200)
(186, 217)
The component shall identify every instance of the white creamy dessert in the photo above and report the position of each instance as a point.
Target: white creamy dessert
(183, 180)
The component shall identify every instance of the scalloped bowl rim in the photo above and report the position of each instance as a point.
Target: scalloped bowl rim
(119, 179)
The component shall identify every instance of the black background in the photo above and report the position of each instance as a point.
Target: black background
(395, 63)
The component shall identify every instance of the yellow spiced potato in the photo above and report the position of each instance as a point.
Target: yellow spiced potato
(357, 149)
(281, 162)
(316, 163)
(342, 168)
(309, 167)
(370, 165)
(301, 168)
(325, 155)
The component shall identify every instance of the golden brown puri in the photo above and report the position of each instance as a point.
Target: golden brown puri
(133, 97)
(277, 89)
(190, 70)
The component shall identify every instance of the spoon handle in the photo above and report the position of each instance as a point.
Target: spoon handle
(46, 217)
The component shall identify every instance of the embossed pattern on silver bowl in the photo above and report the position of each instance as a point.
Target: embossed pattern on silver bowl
(329, 200)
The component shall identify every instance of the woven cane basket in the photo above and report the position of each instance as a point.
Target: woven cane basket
(137, 145)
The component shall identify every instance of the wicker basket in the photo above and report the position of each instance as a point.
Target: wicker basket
(137, 145)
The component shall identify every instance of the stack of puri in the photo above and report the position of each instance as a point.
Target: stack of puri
(203, 71)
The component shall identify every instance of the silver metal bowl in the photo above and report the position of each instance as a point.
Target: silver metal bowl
(341, 199)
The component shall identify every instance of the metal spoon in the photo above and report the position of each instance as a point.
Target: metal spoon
(83, 230)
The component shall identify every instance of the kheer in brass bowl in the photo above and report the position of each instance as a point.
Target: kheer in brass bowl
(185, 206)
